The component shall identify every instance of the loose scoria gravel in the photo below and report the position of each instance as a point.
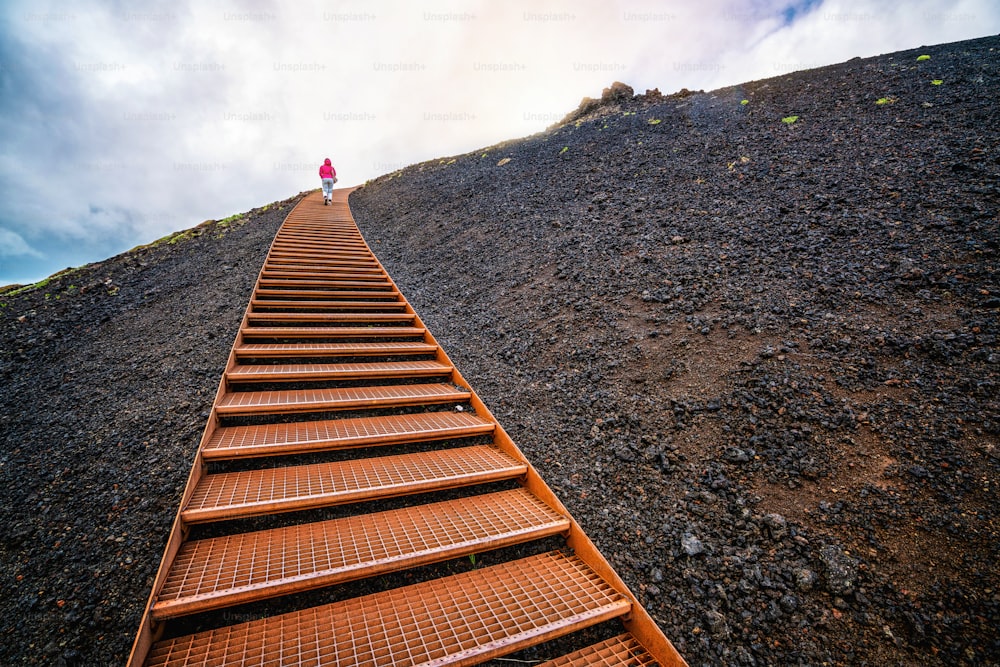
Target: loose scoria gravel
(107, 374)
(756, 359)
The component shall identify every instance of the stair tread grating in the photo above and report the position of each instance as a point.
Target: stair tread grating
(303, 436)
(326, 293)
(488, 611)
(331, 305)
(208, 572)
(332, 332)
(269, 372)
(347, 397)
(325, 317)
(337, 274)
(295, 487)
(276, 283)
(306, 349)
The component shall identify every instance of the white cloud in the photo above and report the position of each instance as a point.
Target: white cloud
(12, 245)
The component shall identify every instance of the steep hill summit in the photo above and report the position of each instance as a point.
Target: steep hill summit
(749, 336)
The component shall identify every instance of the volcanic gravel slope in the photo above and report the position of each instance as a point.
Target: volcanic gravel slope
(756, 359)
(107, 374)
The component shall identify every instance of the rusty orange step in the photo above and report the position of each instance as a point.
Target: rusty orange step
(374, 284)
(330, 266)
(329, 317)
(326, 268)
(332, 305)
(283, 250)
(281, 256)
(458, 620)
(330, 278)
(340, 236)
(319, 242)
(314, 249)
(621, 650)
(330, 372)
(319, 259)
(322, 261)
(333, 332)
(325, 294)
(232, 442)
(325, 277)
(322, 272)
(285, 244)
(310, 251)
(235, 569)
(277, 350)
(272, 490)
(247, 403)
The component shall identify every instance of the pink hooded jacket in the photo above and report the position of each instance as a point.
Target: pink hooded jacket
(327, 170)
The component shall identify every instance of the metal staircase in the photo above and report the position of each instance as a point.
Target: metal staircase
(343, 446)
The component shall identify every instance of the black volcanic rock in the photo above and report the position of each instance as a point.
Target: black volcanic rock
(615, 95)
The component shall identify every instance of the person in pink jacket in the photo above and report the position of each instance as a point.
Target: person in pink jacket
(329, 176)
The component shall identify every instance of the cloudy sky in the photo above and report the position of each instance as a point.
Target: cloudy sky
(121, 122)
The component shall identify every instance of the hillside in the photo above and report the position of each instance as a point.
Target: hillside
(108, 373)
(757, 358)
